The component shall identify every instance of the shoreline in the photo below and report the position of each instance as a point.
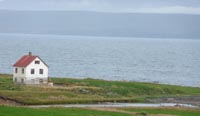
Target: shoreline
(127, 81)
(116, 105)
(185, 101)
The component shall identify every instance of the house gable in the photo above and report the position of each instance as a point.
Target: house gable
(36, 65)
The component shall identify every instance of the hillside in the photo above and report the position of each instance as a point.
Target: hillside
(67, 90)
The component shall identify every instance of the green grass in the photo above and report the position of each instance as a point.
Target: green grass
(18, 111)
(131, 88)
(58, 111)
(89, 91)
(170, 111)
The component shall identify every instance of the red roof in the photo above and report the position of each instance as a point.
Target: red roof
(24, 61)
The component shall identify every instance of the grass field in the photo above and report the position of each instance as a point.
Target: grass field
(21, 111)
(16, 111)
(88, 90)
(166, 111)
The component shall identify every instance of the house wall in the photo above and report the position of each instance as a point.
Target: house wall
(36, 77)
(19, 75)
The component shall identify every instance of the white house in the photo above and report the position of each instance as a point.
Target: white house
(30, 69)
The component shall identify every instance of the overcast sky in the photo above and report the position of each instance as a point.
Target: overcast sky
(144, 6)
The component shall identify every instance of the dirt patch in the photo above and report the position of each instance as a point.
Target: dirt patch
(8, 101)
(193, 100)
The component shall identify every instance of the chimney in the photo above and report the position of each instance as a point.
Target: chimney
(30, 53)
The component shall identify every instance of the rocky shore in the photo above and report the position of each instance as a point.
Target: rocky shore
(193, 100)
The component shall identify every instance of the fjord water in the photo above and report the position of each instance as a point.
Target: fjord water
(169, 61)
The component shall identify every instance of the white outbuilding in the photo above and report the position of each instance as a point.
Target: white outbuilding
(30, 69)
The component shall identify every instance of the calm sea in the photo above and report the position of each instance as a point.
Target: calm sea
(169, 61)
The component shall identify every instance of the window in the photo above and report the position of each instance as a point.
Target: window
(32, 71)
(15, 80)
(37, 62)
(41, 80)
(41, 71)
(22, 70)
(15, 70)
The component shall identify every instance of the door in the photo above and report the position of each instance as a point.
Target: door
(22, 80)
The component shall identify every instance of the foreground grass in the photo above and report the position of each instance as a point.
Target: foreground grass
(22, 111)
(18, 111)
(169, 111)
(89, 91)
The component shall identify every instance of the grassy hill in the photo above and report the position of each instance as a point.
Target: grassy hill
(68, 90)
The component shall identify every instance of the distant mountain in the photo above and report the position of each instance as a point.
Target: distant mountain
(100, 24)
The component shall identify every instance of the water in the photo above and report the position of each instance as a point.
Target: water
(169, 61)
(119, 105)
